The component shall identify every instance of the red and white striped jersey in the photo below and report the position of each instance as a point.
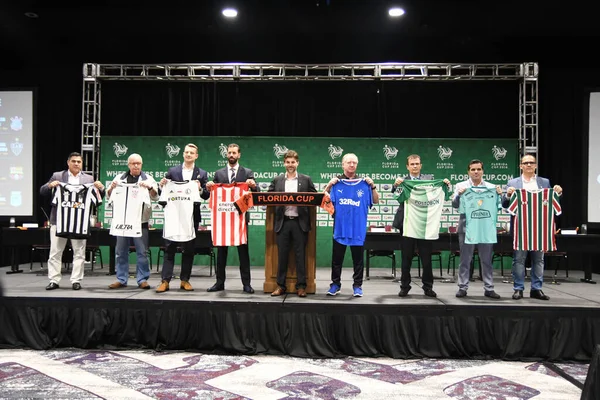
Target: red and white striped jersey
(228, 225)
(533, 225)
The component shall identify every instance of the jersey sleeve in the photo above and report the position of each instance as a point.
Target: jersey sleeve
(513, 203)
(462, 207)
(244, 203)
(162, 200)
(402, 192)
(327, 205)
(556, 203)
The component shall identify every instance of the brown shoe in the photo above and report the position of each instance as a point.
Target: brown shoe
(185, 285)
(163, 287)
(116, 285)
(144, 285)
(301, 292)
(278, 292)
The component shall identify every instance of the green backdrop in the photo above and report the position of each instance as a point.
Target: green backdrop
(380, 158)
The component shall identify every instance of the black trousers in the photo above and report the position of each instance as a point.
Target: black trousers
(187, 259)
(244, 263)
(408, 251)
(291, 235)
(337, 259)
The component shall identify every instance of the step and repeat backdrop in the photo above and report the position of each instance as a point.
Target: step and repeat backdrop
(379, 158)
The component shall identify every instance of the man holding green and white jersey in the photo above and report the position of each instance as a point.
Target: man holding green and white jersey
(478, 203)
(421, 203)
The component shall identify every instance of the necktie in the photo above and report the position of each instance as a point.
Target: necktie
(232, 178)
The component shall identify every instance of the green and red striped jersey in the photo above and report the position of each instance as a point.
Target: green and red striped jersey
(533, 224)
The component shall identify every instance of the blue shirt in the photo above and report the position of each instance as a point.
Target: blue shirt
(352, 200)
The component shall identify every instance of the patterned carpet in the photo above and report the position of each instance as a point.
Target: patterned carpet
(102, 374)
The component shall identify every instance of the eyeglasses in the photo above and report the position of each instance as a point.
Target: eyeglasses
(528, 163)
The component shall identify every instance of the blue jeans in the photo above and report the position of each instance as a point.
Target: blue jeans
(537, 269)
(122, 258)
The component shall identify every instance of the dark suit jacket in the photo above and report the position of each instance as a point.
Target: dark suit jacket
(399, 217)
(62, 176)
(243, 174)
(305, 184)
(176, 174)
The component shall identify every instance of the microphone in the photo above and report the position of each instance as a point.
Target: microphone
(47, 217)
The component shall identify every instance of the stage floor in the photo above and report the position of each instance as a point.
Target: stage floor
(381, 289)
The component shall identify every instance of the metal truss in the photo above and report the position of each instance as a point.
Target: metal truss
(93, 74)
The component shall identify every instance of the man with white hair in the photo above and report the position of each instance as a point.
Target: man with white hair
(130, 194)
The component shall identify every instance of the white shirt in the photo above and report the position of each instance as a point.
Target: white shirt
(73, 179)
(186, 174)
(291, 185)
(531, 185)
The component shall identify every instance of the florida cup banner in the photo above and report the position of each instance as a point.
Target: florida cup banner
(381, 159)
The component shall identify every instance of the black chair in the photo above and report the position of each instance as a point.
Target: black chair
(436, 256)
(557, 258)
(198, 251)
(93, 252)
(391, 254)
(44, 251)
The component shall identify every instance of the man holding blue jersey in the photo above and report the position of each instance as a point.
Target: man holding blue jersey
(478, 202)
(352, 198)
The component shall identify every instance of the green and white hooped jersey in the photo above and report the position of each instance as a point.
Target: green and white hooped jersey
(424, 200)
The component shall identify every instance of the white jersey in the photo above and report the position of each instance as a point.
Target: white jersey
(128, 201)
(178, 200)
(228, 225)
(74, 206)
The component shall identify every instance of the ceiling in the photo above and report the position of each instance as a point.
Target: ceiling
(291, 30)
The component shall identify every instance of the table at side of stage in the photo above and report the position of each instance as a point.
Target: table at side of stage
(14, 239)
(576, 245)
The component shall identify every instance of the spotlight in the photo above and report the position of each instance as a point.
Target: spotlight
(395, 12)
(230, 12)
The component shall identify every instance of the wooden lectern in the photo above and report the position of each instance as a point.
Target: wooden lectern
(271, 257)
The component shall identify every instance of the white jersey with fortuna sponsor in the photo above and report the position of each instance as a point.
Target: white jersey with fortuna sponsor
(178, 200)
(228, 225)
(74, 206)
(127, 201)
(533, 224)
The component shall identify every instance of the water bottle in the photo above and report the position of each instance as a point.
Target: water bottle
(12, 222)
(584, 229)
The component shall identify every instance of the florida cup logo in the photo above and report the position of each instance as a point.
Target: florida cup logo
(223, 150)
(498, 152)
(279, 150)
(119, 149)
(444, 152)
(172, 150)
(335, 151)
(390, 152)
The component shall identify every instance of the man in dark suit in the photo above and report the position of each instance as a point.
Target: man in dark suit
(234, 172)
(291, 224)
(413, 165)
(73, 176)
(187, 171)
(528, 180)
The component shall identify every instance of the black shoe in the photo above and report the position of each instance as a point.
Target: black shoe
(538, 294)
(491, 294)
(461, 293)
(76, 286)
(517, 295)
(52, 286)
(430, 293)
(248, 289)
(216, 288)
(404, 292)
